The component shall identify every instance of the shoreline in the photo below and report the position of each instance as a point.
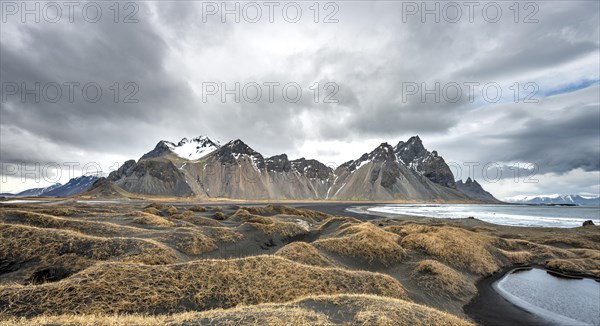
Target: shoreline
(488, 307)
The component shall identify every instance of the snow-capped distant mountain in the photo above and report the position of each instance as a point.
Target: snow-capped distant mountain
(34, 192)
(556, 199)
(73, 187)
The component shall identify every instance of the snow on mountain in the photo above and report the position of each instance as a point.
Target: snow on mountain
(555, 199)
(195, 148)
(38, 191)
(73, 187)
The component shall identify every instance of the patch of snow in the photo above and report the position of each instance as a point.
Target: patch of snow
(194, 149)
(362, 163)
(339, 189)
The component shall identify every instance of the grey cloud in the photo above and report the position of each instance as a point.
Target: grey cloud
(369, 54)
(558, 146)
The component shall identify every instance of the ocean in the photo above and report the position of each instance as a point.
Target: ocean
(513, 215)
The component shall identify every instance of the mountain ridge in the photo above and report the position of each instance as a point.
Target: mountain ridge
(555, 199)
(407, 171)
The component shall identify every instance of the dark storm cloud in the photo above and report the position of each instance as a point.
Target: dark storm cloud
(104, 53)
(559, 146)
(369, 54)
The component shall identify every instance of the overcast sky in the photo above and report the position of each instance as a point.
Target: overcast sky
(373, 64)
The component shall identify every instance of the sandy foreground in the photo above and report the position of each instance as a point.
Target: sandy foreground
(147, 263)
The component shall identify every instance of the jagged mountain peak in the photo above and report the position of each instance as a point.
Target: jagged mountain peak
(278, 163)
(311, 168)
(410, 150)
(194, 148)
(382, 153)
(413, 154)
(238, 146)
(187, 148)
(234, 150)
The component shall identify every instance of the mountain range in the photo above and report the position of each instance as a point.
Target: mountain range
(556, 200)
(203, 168)
(73, 187)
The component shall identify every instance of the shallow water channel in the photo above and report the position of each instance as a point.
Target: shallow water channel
(560, 300)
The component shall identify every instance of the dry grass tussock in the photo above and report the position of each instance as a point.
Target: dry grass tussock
(199, 285)
(539, 251)
(304, 253)
(437, 278)
(586, 266)
(458, 247)
(189, 241)
(74, 250)
(151, 210)
(585, 240)
(199, 209)
(158, 206)
(279, 229)
(223, 234)
(150, 219)
(367, 242)
(269, 225)
(270, 210)
(517, 257)
(60, 211)
(48, 221)
(312, 310)
(202, 221)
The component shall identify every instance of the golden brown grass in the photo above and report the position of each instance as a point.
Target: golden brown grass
(585, 266)
(151, 210)
(171, 210)
(75, 250)
(279, 229)
(539, 251)
(304, 253)
(223, 234)
(312, 310)
(199, 209)
(269, 225)
(150, 219)
(439, 279)
(367, 242)
(60, 211)
(460, 248)
(286, 210)
(55, 222)
(202, 221)
(189, 241)
(115, 270)
(585, 241)
(156, 206)
(517, 257)
(109, 288)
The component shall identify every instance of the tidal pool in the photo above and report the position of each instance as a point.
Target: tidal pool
(564, 301)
